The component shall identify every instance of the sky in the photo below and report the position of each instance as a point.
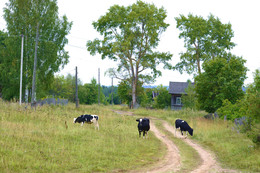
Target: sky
(244, 16)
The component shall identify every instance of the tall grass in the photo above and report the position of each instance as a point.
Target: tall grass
(39, 141)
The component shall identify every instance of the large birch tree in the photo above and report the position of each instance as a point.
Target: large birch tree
(130, 37)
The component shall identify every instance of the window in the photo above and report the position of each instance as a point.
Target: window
(178, 100)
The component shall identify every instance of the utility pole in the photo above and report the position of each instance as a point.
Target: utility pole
(33, 99)
(21, 73)
(76, 94)
(98, 85)
(112, 102)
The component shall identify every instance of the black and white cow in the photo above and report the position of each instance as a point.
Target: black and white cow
(88, 119)
(143, 126)
(184, 126)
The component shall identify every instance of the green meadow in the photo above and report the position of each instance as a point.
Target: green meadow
(39, 141)
(47, 140)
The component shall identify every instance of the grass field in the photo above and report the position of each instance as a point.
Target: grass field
(39, 141)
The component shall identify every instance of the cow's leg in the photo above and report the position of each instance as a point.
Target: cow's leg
(144, 134)
(82, 123)
(186, 134)
(139, 134)
(96, 125)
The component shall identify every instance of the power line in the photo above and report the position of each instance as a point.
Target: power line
(77, 47)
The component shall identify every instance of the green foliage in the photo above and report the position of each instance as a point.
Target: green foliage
(124, 92)
(253, 97)
(248, 106)
(163, 100)
(64, 87)
(189, 100)
(222, 79)
(130, 36)
(108, 94)
(88, 93)
(147, 98)
(203, 39)
(22, 17)
(233, 111)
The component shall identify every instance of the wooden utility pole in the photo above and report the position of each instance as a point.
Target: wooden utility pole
(33, 99)
(98, 85)
(21, 73)
(112, 102)
(76, 94)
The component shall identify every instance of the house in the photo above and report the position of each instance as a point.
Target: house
(177, 89)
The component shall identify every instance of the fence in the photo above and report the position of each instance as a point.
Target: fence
(52, 101)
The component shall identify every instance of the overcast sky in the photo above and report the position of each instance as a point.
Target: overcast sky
(244, 17)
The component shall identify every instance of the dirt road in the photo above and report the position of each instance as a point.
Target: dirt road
(171, 161)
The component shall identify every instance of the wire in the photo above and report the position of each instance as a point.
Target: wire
(76, 46)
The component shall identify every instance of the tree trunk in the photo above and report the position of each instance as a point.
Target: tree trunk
(198, 57)
(198, 64)
(133, 93)
(33, 99)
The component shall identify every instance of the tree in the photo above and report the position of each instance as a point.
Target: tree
(107, 91)
(189, 100)
(253, 97)
(163, 99)
(130, 36)
(64, 87)
(3, 37)
(203, 39)
(22, 17)
(88, 93)
(124, 92)
(223, 79)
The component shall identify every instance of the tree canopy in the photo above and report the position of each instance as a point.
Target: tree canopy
(130, 36)
(22, 17)
(203, 39)
(223, 79)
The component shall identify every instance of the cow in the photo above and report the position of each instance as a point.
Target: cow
(143, 126)
(184, 126)
(88, 119)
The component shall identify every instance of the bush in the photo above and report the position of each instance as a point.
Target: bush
(232, 111)
(163, 100)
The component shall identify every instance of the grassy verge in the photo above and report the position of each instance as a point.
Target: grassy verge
(39, 141)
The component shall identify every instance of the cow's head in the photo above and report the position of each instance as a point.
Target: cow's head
(95, 116)
(139, 120)
(191, 132)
